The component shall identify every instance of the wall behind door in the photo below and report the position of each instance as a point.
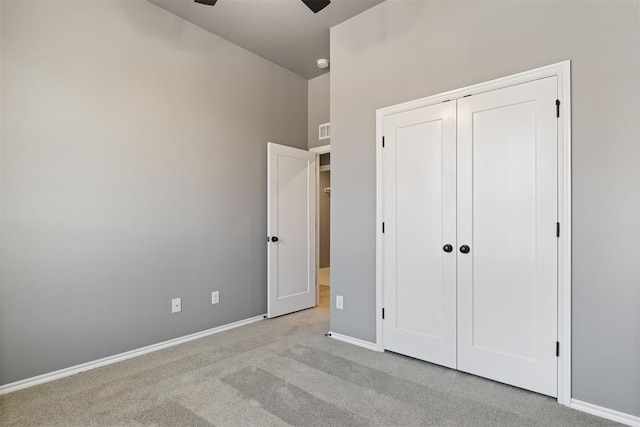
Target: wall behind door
(402, 50)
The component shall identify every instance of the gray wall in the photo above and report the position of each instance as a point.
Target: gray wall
(133, 171)
(318, 111)
(402, 50)
(324, 219)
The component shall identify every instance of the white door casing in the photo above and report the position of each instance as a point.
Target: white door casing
(507, 214)
(420, 218)
(291, 229)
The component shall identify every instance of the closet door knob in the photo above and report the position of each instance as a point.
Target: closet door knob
(447, 248)
(274, 239)
(464, 249)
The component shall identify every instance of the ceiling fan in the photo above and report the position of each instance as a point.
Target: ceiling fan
(315, 5)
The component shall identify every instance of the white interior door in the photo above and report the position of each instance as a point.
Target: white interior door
(291, 211)
(507, 213)
(420, 219)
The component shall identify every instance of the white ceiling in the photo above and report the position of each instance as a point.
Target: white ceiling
(283, 31)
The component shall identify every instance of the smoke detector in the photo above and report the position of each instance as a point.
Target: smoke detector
(323, 63)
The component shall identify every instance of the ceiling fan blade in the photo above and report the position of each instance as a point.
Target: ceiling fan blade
(207, 2)
(316, 5)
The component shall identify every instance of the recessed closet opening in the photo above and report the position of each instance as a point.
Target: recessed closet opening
(323, 229)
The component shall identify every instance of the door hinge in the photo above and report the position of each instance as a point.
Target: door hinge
(383, 313)
(383, 227)
(557, 229)
(557, 108)
(383, 142)
(557, 348)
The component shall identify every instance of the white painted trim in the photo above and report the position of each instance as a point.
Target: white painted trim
(610, 414)
(563, 71)
(355, 341)
(323, 149)
(564, 244)
(72, 370)
(380, 114)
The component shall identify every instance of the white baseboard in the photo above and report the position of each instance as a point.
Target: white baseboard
(607, 413)
(72, 370)
(355, 341)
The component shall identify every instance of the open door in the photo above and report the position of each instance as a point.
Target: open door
(291, 233)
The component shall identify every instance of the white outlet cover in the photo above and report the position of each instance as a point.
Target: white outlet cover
(339, 302)
(215, 297)
(176, 305)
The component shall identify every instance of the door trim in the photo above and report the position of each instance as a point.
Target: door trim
(563, 71)
(323, 149)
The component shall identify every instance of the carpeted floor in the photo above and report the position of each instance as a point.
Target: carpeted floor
(278, 372)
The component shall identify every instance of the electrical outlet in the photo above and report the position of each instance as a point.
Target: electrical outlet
(176, 305)
(215, 297)
(339, 302)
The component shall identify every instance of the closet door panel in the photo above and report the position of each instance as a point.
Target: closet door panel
(419, 292)
(507, 199)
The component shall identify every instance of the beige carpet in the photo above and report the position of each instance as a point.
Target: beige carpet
(282, 371)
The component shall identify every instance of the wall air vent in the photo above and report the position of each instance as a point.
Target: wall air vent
(324, 131)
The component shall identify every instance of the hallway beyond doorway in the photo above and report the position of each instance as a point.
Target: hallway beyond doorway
(324, 276)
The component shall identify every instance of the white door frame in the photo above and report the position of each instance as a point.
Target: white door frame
(563, 71)
(323, 149)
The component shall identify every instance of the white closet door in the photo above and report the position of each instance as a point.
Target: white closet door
(419, 193)
(507, 213)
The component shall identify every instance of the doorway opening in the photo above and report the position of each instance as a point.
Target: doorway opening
(323, 226)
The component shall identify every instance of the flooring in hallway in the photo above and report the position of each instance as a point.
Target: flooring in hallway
(324, 276)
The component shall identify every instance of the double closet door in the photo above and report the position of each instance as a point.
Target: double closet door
(470, 244)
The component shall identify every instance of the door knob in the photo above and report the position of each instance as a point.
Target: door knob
(464, 249)
(274, 239)
(447, 248)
